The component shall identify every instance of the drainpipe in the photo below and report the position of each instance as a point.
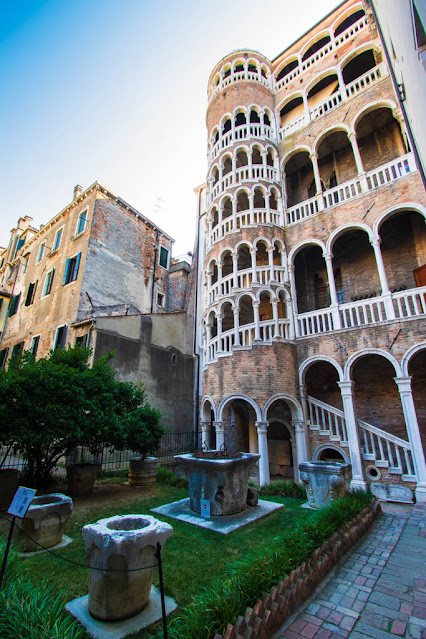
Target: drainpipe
(196, 355)
(154, 270)
(398, 95)
(89, 334)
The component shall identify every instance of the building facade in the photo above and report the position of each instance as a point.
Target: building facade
(100, 274)
(312, 236)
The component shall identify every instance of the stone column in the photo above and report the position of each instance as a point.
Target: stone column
(205, 435)
(293, 288)
(306, 107)
(234, 213)
(253, 265)
(353, 436)
(300, 443)
(234, 269)
(332, 287)
(303, 401)
(386, 294)
(220, 434)
(219, 318)
(358, 161)
(251, 205)
(319, 195)
(256, 321)
(270, 250)
(262, 438)
(274, 302)
(234, 169)
(250, 165)
(410, 416)
(236, 311)
(268, 208)
(342, 88)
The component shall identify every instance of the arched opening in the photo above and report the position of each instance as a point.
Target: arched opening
(355, 264)
(242, 202)
(240, 119)
(403, 246)
(242, 159)
(379, 138)
(269, 158)
(244, 257)
(323, 90)
(280, 444)
(265, 307)
(417, 370)
(227, 126)
(277, 254)
(311, 279)
(254, 117)
(246, 314)
(227, 264)
(321, 383)
(359, 65)
(331, 455)
(319, 44)
(376, 396)
(291, 111)
(240, 431)
(226, 208)
(287, 69)
(259, 198)
(273, 200)
(299, 175)
(227, 317)
(227, 165)
(215, 175)
(282, 307)
(256, 156)
(261, 254)
(336, 160)
(214, 272)
(347, 22)
(266, 119)
(212, 322)
(215, 217)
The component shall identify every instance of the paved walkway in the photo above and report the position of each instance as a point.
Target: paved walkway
(378, 590)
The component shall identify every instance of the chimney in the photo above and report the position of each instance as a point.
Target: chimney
(77, 191)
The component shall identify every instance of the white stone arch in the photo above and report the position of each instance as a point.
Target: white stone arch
(353, 53)
(221, 200)
(222, 303)
(214, 167)
(230, 398)
(345, 14)
(297, 93)
(335, 128)
(254, 61)
(243, 243)
(211, 263)
(283, 289)
(301, 245)
(285, 62)
(412, 207)
(240, 109)
(408, 355)
(373, 106)
(204, 401)
(319, 358)
(318, 450)
(225, 249)
(225, 116)
(320, 76)
(370, 351)
(280, 242)
(237, 62)
(318, 36)
(241, 147)
(245, 293)
(294, 404)
(342, 230)
(302, 148)
(267, 111)
(265, 289)
(255, 107)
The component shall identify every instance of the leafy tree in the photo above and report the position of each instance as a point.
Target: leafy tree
(59, 402)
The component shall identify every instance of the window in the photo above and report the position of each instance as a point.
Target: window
(3, 357)
(419, 14)
(34, 344)
(81, 223)
(164, 257)
(17, 349)
(25, 265)
(57, 240)
(31, 293)
(61, 335)
(40, 252)
(48, 282)
(18, 246)
(81, 340)
(71, 269)
(14, 304)
(160, 299)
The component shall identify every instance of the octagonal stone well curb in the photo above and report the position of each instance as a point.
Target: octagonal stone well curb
(122, 551)
(270, 612)
(45, 521)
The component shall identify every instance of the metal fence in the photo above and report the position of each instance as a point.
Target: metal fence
(171, 444)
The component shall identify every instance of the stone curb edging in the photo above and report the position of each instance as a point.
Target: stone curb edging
(275, 607)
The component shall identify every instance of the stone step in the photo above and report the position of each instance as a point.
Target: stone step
(395, 470)
(381, 463)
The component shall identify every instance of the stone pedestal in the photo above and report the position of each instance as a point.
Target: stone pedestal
(122, 545)
(221, 482)
(81, 478)
(45, 521)
(324, 481)
(143, 472)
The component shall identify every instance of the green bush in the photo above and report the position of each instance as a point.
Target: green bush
(284, 489)
(30, 612)
(166, 477)
(246, 580)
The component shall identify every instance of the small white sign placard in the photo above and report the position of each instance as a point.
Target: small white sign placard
(205, 507)
(21, 502)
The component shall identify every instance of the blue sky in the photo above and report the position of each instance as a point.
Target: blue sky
(115, 91)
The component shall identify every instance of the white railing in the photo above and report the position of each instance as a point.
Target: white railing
(238, 77)
(338, 41)
(327, 105)
(245, 280)
(314, 322)
(360, 313)
(293, 126)
(391, 171)
(242, 174)
(386, 450)
(411, 303)
(245, 219)
(224, 343)
(243, 132)
(382, 448)
(366, 80)
(302, 211)
(342, 193)
(327, 419)
(399, 168)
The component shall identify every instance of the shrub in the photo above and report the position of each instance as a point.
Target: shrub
(166, 477)
(284, 489)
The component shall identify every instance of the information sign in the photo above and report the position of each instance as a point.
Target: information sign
(21, 502)
(205, 507)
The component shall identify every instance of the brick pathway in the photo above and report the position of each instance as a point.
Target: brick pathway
(378, 590)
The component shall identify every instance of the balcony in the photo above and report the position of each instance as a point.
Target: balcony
(226, 343)
(243, 279)
(239, 133)
(244, 219)
(341, 39)
(240, 76)
(381, 176)
(349, 91)
(243, 174)
(403, 305)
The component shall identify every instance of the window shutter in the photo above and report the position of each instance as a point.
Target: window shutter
(67, 267)
(77, 265)
(49, 287)
(34, 291)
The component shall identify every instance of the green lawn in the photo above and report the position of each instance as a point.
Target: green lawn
(193, 557)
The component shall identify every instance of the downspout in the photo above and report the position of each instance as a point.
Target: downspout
(154, 270)
(196, 355)
(398, 95)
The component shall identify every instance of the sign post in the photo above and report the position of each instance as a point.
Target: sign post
(18, 508)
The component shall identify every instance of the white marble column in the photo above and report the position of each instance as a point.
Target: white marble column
(234, 213)
(319, 195)
(234, 269)
(219, 318)
(262, 438)
(236, 311)
(386, 294)
(358, 161)
(274, 303)
(353, 435)
(413, 432)
(205, 435)
(333, 293)
(270, 250)
(251, 206)
(220, 434)
(299, 432)
(256, 321)
(293, 288)
(253, 265)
